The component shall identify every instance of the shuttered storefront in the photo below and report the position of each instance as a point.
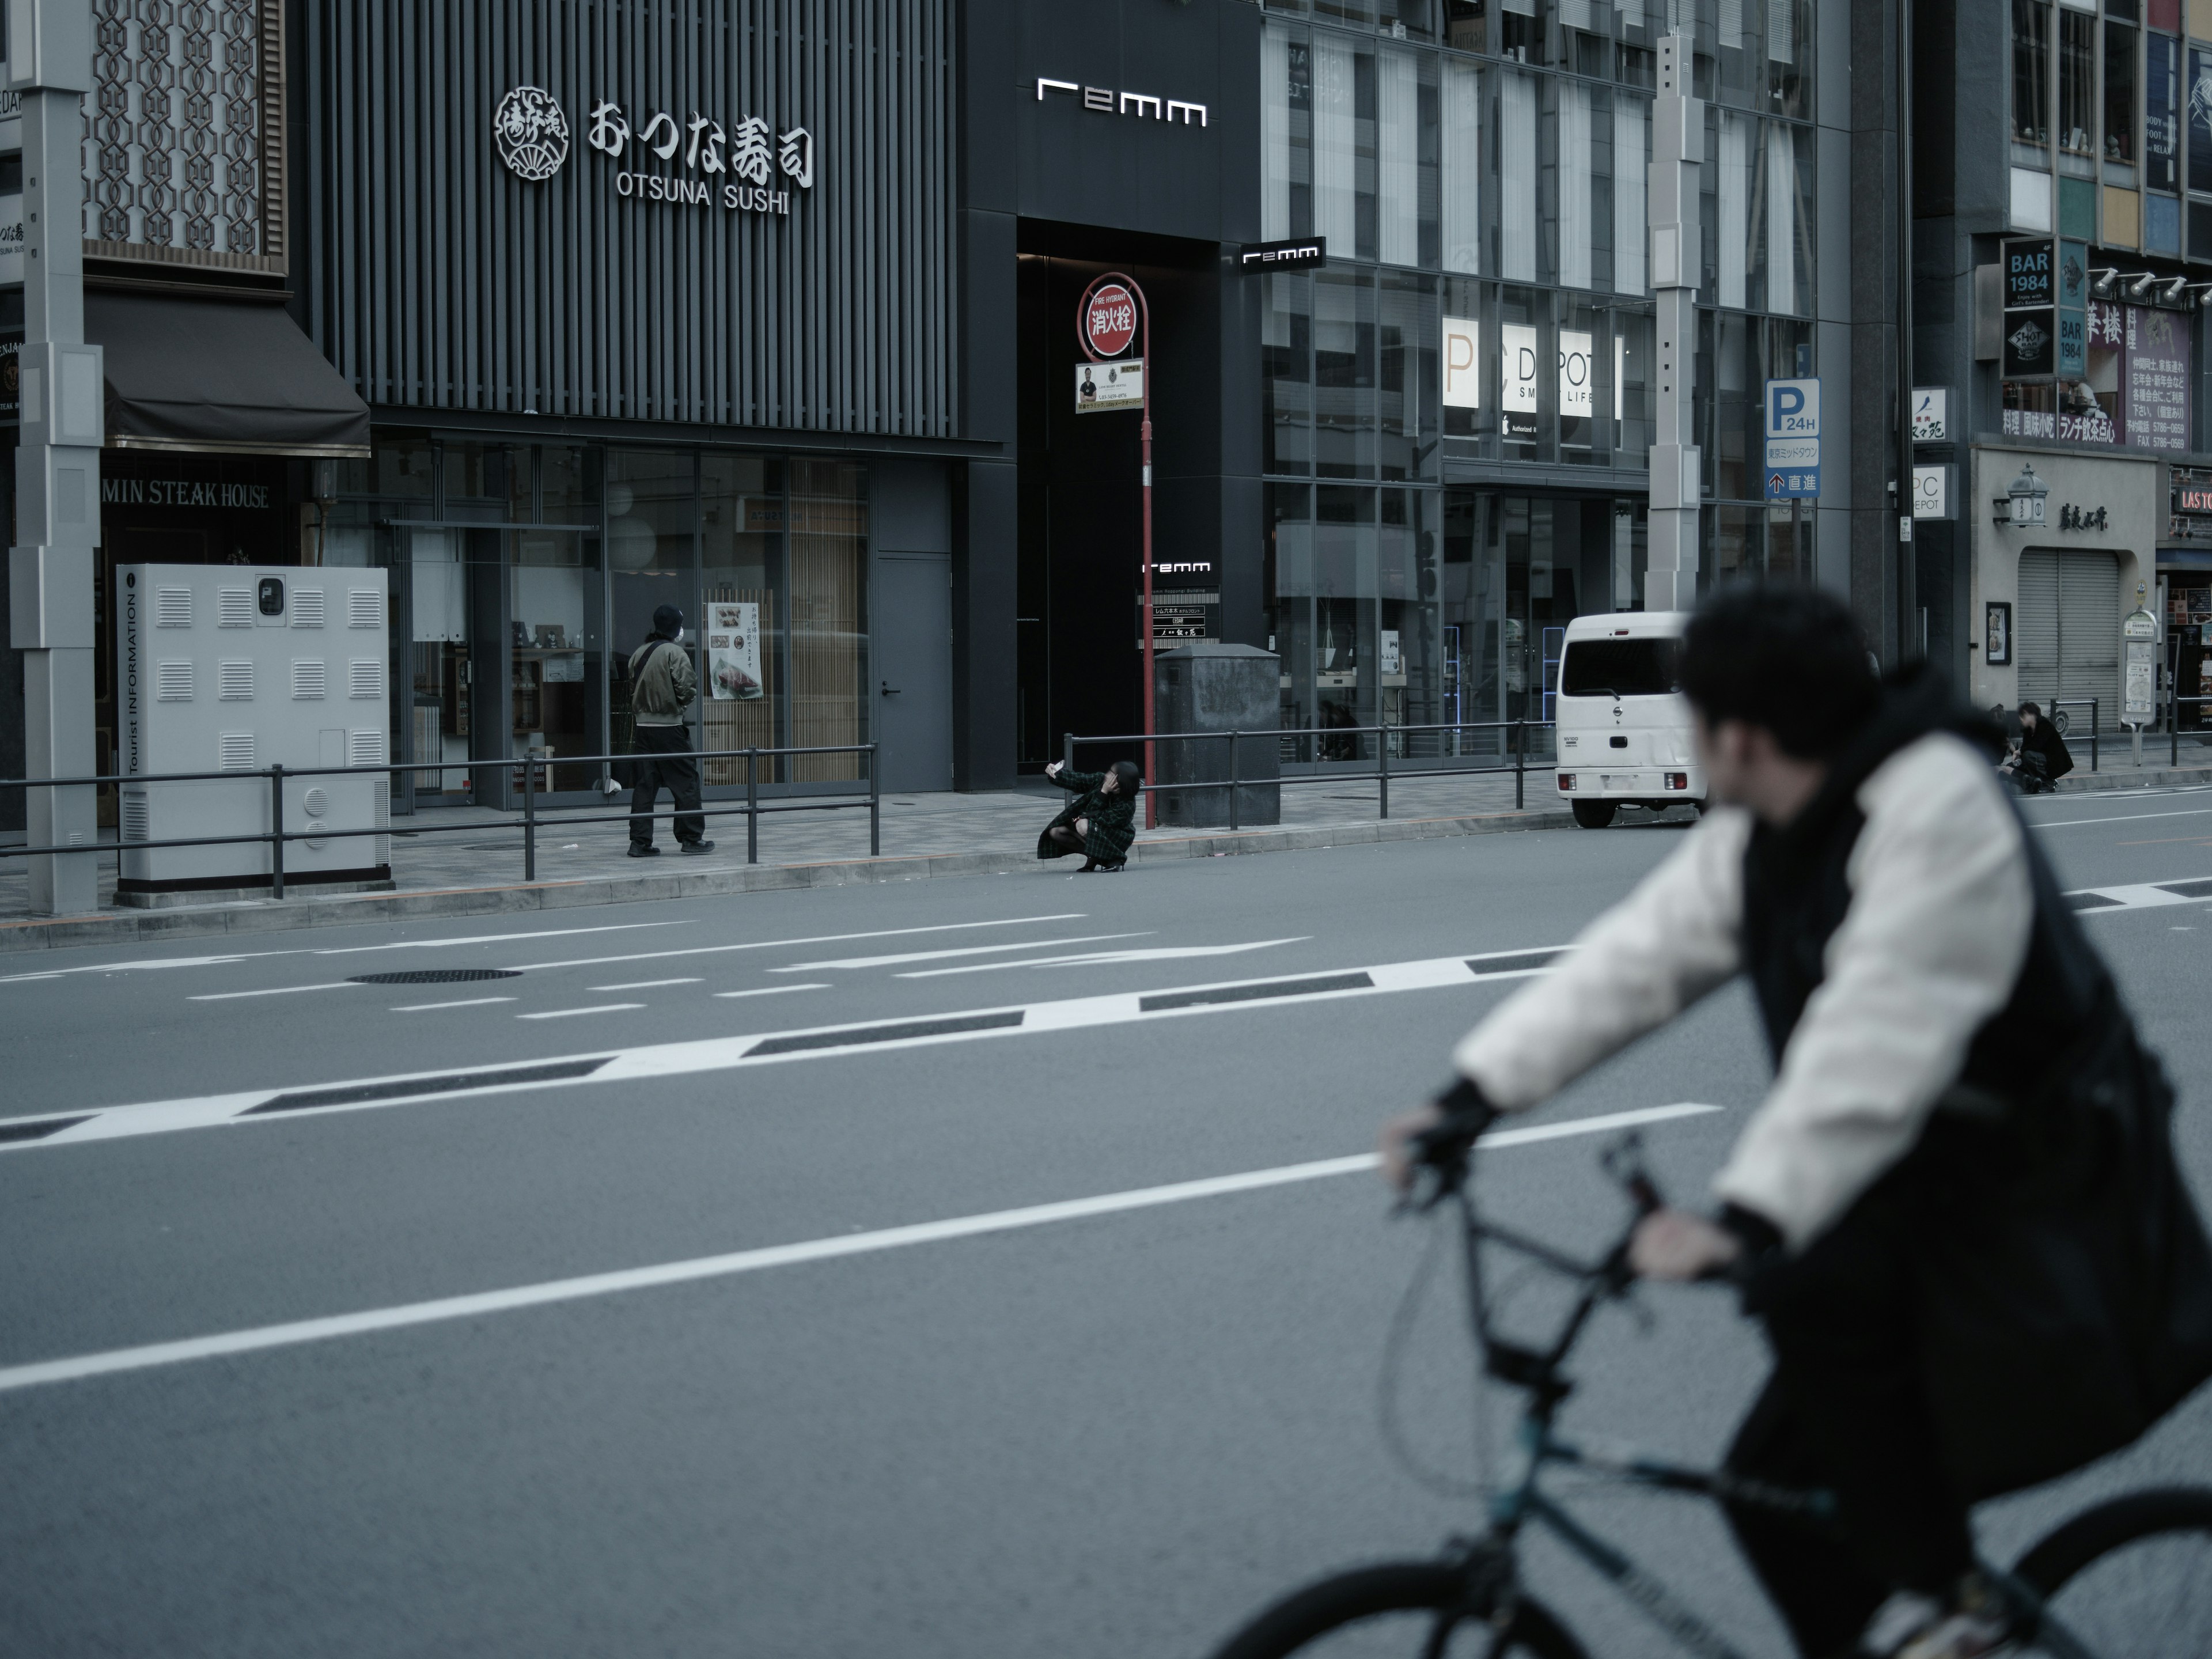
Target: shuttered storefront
(2068, 631)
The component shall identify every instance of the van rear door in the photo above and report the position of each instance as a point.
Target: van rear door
(1637, 679)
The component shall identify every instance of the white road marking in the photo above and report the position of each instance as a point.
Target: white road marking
(247, 1107)
(964, 951)
(771, 990)
(1162, 953)
(644, 985)
(570, 1013)
(261, 1339)
(777, 943)
(273, 991)
(2136, 895)
(466, 1002)
(155, 963)
(2121, 818)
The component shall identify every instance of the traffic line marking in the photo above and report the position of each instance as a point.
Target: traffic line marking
(820, 938)
(570, 1013)
(770, 991)
(644, 985)
(1087, 958)
(464, 1002)
(2142, 896)
(781, 1048)
(958, 951)
(272, 991)
(444, 1310)
(152, 964)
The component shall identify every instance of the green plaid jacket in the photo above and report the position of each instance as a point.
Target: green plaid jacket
(1113, 819)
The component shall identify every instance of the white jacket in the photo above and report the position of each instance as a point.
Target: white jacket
(1930, 947)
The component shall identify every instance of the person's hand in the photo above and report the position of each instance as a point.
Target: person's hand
(1675, 1244)
(1052, 770)
(1398, 1136)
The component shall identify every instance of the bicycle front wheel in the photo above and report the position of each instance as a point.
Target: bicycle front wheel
(1401, 1610)
(2130, 1577)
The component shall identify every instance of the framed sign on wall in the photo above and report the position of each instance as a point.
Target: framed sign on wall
(1996, 634)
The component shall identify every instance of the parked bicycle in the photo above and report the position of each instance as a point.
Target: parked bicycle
(2130, 1576)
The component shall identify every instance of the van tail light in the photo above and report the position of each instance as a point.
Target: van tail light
(1678, 779)
(1566, 780)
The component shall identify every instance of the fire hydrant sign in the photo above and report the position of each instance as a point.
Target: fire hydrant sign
(1110, 322)
(1109, 386)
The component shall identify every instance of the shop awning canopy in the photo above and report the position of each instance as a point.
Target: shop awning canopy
(226, 376)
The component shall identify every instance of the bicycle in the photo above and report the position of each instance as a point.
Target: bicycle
(2086, 1591)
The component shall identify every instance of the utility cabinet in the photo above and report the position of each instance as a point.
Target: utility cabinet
(1209, 685)
(237, 668)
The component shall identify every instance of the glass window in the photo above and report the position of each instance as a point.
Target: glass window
(2077, 84)
(1286, 371)
(1344, 144)
(1408, 337)
(1344, 373)
(1631, 152)
(1351, 11)
(1286, 201)
(1463, 166)
(1519, 32)
(558, 658)
(1787, 224)
(476, 479)
(653, 517)
(1473, 413)
(1405, 114)
(2119, 94)
(567, 484)
(1737, 138)
(2200, 123)
(1580, 384)
(2162, 113)
(1577, 224)
(1527, 405)
(1633, 409)
(1789, 58)
(1414, 18)
(744, 586)
(1516, 178)
(1733, 378)
(1467, 24)
(398, 466)
(2031, 72)
(828, 617)
(1622, 668)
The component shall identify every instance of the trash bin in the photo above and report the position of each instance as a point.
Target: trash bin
(1211, 686)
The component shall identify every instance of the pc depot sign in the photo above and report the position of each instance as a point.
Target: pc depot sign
(745, 164)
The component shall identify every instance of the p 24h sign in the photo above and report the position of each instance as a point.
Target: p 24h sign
(1110, 322)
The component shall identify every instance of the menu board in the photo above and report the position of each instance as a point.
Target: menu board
(733, 650)
(2156, 376)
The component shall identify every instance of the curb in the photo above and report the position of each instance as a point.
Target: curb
(2091, 783)
(269, 915)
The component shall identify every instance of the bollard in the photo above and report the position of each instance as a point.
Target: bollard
(875, 804)
(277, 829)
(752, 807)
(1236, 780)
(529, 815)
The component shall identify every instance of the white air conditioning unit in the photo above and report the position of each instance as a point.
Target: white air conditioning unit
(236, 668)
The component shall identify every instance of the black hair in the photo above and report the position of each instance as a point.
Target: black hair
(1790, 660)
(2031, 709)
(1130, 777)
(667, 621)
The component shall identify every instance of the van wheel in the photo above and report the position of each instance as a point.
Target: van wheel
(1593, 814)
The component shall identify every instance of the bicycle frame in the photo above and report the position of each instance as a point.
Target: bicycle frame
(1519, 1501)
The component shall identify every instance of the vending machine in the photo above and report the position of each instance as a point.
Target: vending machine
(235, 668)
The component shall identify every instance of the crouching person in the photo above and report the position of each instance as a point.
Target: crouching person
(1100, 822)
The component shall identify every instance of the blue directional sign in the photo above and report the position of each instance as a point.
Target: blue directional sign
(1792, 409)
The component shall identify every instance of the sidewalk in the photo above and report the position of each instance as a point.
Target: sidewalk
(452, 872)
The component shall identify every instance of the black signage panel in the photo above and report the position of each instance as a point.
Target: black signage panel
(2030, 338)
(1298, 254)
(2029, 274)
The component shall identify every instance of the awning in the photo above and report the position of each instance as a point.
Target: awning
(223, 375)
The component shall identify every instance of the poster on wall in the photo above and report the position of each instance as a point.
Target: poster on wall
(1516, 343)
(2157, 375)
(734, 650)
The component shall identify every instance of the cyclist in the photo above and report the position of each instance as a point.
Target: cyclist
(1956, 1210)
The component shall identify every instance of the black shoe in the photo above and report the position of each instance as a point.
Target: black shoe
(691, 846)
(1089, 865)
(1113, 869)
(643, 850)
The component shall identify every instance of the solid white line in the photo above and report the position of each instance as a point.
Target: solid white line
(466, 1002)
(298, 1332)
(823, 938)
(2121, 818)
(964, 951)
(337, 950)
(569, 1013)
(274, 991)
(644, 985)
(771, 990)
(1165, 953)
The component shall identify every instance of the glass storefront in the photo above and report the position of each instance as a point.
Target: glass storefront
(524, 575)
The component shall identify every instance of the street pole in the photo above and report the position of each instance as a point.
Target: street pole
(50, 568)
(1145, 440)
(1908, 573)
(1678, 147)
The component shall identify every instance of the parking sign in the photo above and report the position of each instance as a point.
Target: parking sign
(1793, 409)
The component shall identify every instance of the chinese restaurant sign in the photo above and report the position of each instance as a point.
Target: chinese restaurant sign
(2135, 390)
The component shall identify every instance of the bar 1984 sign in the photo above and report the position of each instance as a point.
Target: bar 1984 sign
(734, 166)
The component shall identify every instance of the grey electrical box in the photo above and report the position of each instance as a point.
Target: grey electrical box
(1209, 685)
(237, 668)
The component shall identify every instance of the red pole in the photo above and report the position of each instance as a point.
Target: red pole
(1144, 436)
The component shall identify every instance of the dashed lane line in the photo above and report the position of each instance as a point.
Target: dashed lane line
(151, 1356)
(571, 1013)
(726, 1053)
(155, 964)
(464, 1002)
(1092, 958)
(959, 950)
(769, 990)
(644, 984)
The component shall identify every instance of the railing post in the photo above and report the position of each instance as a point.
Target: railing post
(875, 802)
(276, 828)
(529, 815)
(1236, 780)
(1067, 751)
(1520, 763)
(1383, 765)
(2092, 735)
(752, 807)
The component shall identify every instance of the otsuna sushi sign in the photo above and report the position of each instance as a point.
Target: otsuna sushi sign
(748, 165)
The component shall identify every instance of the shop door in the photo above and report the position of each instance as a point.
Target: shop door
(434, 599)
(2068, 629)
(913, 673)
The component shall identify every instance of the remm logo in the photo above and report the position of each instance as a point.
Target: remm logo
(1103, 100)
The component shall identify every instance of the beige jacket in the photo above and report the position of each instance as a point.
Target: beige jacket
(1931, 946)
(662, 683)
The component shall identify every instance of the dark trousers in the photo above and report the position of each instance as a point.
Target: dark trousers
(1845, 1410)
(674, 767)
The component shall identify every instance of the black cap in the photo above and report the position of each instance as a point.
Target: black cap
(668, 620)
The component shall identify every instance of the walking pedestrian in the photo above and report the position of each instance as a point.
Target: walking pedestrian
(1100, 822)
(662, 686)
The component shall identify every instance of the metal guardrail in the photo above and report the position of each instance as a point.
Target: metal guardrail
(275, 836)
(2093, 705)
(1235, 782)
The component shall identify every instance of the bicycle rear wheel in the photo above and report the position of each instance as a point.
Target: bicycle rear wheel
(1401, 1610)
(2131, 1577)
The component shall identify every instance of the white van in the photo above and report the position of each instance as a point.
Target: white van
(1624, 724)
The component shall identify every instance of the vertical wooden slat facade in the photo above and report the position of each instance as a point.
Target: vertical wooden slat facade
(442, 281)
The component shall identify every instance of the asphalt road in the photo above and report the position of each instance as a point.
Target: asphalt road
(722, 1387)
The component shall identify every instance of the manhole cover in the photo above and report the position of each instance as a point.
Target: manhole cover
(436, 976)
